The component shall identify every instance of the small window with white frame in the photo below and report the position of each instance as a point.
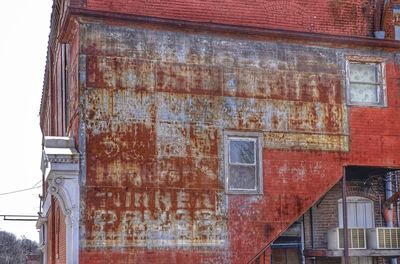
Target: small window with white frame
(243, 169)
(366, 82)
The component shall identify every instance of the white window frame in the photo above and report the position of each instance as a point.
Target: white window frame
(244, 136)
(379, 63)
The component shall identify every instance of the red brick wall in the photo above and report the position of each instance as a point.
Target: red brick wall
(50, 235)
(374, 137)
(54, 113)
(60, 236)
(74, 84)
(294, 178)
(339, 17)
(56, 235)
(125, 144)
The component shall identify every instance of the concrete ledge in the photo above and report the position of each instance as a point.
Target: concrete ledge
(352, 253)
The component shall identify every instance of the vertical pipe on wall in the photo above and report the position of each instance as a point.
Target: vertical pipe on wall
(388, 194)
(312, 227)
(389, 210)
(312, 230)
(396, 184)
(302, 245)
(345, 229)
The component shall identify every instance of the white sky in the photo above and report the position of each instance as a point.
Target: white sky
(24, 29)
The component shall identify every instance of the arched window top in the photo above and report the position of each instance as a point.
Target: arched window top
(356, 199)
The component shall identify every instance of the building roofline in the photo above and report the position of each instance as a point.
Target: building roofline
(309, 38)
(50, 43)
(312, 37)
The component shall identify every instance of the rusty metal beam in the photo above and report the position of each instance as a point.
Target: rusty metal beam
(19, 217)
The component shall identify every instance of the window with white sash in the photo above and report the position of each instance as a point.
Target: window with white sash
(243, 170)
(366, 83)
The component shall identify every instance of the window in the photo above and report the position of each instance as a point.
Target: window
(366, 83)
(243, 163)
(287, 248)
(397, 32)
(360, 213)
(64, 88)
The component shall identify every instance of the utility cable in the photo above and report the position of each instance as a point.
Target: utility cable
(37, 183)
(22, 190)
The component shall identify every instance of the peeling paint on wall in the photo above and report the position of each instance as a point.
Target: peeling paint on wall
(154, 219)
(157, 104)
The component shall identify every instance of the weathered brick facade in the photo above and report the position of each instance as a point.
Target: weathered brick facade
(152, 87)
(56, 239)
(325, 216)
(325, 213)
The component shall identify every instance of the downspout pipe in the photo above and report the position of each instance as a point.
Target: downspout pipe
(378, 15)
(345, 228)
(389, 210)
(396, 183)
(379, 20)
(388, 213)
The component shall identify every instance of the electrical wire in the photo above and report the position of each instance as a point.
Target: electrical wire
(37, 183)
(22, 190)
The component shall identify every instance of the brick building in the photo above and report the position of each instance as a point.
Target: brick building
(220, 131)
(33, 259)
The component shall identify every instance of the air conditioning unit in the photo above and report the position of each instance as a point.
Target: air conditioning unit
(383, 238)
(356, 238)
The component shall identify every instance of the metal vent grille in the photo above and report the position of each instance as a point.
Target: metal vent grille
(388, 237)
(356, 238)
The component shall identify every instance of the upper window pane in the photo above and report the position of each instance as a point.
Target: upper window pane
(364, 73)
(241, 151)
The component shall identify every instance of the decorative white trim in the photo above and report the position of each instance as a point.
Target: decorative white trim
(61, 169)
(40, 222)
(66, 191)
